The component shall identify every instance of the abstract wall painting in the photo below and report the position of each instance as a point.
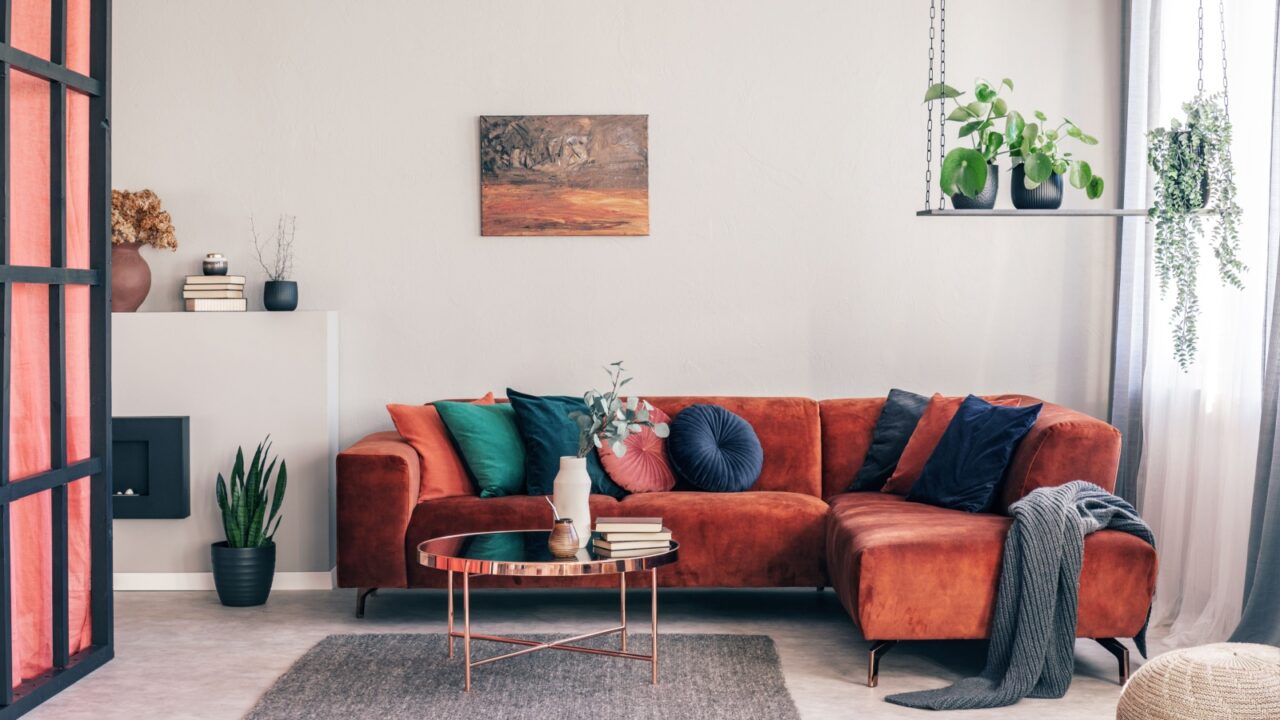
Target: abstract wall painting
(564, 175)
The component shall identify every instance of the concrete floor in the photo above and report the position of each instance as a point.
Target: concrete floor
(182, 655)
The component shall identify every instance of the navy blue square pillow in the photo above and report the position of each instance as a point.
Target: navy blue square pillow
(898, 419)
(549, 434)
(966, 467)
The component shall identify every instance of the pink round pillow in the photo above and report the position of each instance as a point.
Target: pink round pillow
(644, 466)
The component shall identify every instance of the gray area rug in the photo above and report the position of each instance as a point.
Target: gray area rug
(701, 677)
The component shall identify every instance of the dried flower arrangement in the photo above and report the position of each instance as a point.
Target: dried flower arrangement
(281, 265)
(136, 217)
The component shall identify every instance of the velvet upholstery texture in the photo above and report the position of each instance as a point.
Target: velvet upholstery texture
(910, 571)
(714, 450)
(549, 433)
(445, 475)
(783, 548)
(489, 441)
(377, 491)
(1062, 446)
(971, 457)
(789, 434)
(897, 421)
(937, 416)
(644, 466)
(847, 428)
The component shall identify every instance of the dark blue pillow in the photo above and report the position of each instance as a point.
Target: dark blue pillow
(713, 449)
(898, 419)
(549, 434)
(966, 467)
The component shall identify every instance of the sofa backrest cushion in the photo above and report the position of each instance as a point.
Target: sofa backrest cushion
(847, 428)
(789, 433)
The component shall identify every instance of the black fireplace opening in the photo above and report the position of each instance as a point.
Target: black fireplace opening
(152, 464)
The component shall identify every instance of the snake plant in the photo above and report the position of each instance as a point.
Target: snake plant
(244, 506)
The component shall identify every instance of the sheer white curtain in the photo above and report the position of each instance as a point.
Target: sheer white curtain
(1201, 426)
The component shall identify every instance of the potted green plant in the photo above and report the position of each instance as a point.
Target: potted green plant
(1039, 163)
(245, 563)
(969, 174)
(1191, 161)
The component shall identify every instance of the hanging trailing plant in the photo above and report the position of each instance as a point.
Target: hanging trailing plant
(1193, 180)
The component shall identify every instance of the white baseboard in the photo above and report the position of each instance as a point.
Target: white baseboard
(127, 581)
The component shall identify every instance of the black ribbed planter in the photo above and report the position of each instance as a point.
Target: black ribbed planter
(280, 295)
(243, 575)
(1046, 196)
(985, 199)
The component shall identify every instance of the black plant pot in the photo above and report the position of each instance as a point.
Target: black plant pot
(1046, 196)
(280, 295)
(985, 199)
(243, 575)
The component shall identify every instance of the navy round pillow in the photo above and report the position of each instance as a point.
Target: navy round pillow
(713, 449)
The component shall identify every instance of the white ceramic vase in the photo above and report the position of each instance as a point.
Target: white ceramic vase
(572, 496)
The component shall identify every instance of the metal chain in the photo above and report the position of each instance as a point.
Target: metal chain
(942, 78)
(1200, 49)
(1222, 30)
(928, 136)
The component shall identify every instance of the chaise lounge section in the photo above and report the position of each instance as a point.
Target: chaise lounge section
(902, 570)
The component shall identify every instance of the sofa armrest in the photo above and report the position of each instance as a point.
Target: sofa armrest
(377, 489)
(1062, 446)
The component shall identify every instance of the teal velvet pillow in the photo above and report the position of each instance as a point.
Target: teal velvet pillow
(490, 445)
(549, 434)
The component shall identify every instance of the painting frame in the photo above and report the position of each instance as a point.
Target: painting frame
(564, 175)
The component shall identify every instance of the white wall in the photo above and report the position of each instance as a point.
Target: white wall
(239, 377)
(786, 146)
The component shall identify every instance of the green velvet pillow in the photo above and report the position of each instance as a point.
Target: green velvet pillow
(489, 442)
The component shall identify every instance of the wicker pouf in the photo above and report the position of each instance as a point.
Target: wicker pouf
(1240, 681)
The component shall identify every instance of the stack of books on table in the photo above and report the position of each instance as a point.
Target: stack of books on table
(630, 537)
(214, 293)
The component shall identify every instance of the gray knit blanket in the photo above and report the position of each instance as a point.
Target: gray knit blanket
(1033, 631)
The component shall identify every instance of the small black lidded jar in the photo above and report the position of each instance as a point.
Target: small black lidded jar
(214, 264)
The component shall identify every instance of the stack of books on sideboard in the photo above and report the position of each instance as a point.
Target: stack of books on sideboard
(214, 293)
(629, 537)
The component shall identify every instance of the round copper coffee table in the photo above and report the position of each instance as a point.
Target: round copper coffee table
(524, 553)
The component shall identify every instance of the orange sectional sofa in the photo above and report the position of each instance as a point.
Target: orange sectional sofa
(903, 570)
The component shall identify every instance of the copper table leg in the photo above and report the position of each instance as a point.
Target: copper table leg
(466, 627)
(622, 607)
(653, 623)
(450, 639)
(561, 644)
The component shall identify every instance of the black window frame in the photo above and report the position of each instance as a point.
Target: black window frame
(67, 667)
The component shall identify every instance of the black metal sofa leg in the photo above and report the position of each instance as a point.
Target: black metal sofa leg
(1117, 648)
(877, 651)
(361, 595)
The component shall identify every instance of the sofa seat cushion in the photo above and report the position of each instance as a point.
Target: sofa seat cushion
(453, 515)
(753, 539)
(910, 571)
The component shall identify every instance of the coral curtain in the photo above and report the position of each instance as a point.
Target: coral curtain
(30, 525)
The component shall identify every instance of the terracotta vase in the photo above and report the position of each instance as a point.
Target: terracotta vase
(130, 277)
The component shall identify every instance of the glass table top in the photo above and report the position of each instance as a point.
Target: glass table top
(525, 552)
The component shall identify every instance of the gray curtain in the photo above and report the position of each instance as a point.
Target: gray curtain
(1261, 620)
(1128, 352)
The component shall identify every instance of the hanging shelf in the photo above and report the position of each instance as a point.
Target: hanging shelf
(940, 13)
(1007, 212)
